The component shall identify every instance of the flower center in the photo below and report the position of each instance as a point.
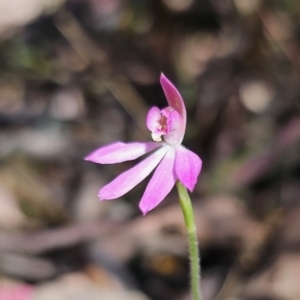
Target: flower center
(162, 125)
(162, 122)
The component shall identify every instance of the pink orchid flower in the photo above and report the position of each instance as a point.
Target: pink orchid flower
(172, 161)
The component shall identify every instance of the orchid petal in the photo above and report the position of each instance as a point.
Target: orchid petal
(160, 184)
(153, 117)
(173, 119)
(120, 152)
(173, 97)
(129, 179)
(175, 134)
(187, 167)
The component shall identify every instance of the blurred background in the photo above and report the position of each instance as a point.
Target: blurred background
(78, 74)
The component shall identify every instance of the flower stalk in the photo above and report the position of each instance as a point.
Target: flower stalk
(188, 213)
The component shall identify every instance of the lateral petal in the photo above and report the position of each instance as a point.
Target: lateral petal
(120, 152)
(130, 178)
(187, 167)
(153, 117)
(160, 184)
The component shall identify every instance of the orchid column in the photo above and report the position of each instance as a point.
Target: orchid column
(173, 162)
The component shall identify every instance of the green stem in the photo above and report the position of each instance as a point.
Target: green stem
(187, 209)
